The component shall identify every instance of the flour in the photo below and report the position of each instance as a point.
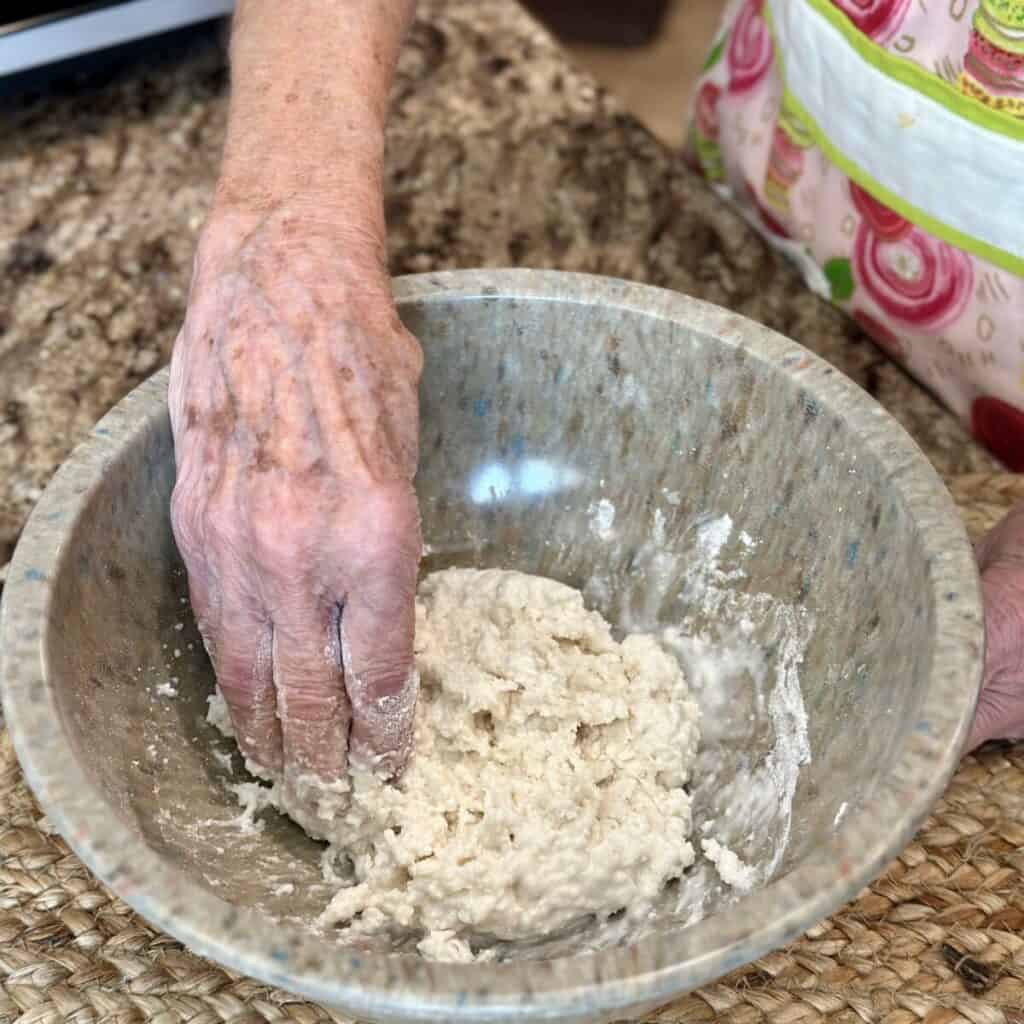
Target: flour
(730, 868)
(217, 714)
(253, 798)
(602, 518)
(546, 785)
(222, 757)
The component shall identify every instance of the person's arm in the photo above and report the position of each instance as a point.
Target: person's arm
(294, 402)
(309, 91)
(1001, 558)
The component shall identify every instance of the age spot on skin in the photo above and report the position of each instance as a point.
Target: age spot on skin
(262, 460)
(221, 422)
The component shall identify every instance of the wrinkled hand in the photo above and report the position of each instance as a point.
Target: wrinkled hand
(293, 403)
(1001, 558)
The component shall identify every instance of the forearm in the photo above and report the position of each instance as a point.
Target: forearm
(310, 85)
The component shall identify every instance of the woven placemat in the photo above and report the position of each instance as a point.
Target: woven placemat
(938, 939)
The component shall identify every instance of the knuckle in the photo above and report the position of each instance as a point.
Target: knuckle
(411, 353)
(280, 548)
(387, 532)
(223, 523)
(221, 531)
(383, 578)
(386, 599)
(291, 531)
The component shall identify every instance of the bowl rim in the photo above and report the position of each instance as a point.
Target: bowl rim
(650, 971)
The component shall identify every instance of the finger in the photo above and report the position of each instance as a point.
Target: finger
(1000, 713)
(377, 627)
(311, 700)
(985, 548)
(1003, 545)
(245, 675)
(986, 724)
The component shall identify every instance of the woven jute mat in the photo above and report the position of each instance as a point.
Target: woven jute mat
(938, 939)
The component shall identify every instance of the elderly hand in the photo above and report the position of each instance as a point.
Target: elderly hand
(293, 402)
(1001, 558)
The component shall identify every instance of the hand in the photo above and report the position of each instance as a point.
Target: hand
(1001, 558)
(293, 401)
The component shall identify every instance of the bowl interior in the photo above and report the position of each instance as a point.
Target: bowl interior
(685, 478)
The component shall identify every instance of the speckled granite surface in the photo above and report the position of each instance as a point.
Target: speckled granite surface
(500, 154)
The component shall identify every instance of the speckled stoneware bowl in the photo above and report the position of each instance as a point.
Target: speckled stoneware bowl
(681, 464)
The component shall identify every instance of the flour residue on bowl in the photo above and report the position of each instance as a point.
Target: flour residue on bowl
(742, 653)
(733, 871)
(602, 518)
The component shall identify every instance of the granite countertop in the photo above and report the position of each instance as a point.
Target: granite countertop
(500, 154)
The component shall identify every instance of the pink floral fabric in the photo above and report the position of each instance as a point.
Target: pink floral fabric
(750, 49)
(879, 20)
(955, 321)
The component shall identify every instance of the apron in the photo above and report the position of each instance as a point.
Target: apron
(880, 145)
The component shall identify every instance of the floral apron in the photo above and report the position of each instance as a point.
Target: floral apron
(880, 145)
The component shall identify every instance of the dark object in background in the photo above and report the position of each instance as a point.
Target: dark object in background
(94, 70)
(604, 22)
(41, 33)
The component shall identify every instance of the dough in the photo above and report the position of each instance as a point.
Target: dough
(733, 871)
(546, 782)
